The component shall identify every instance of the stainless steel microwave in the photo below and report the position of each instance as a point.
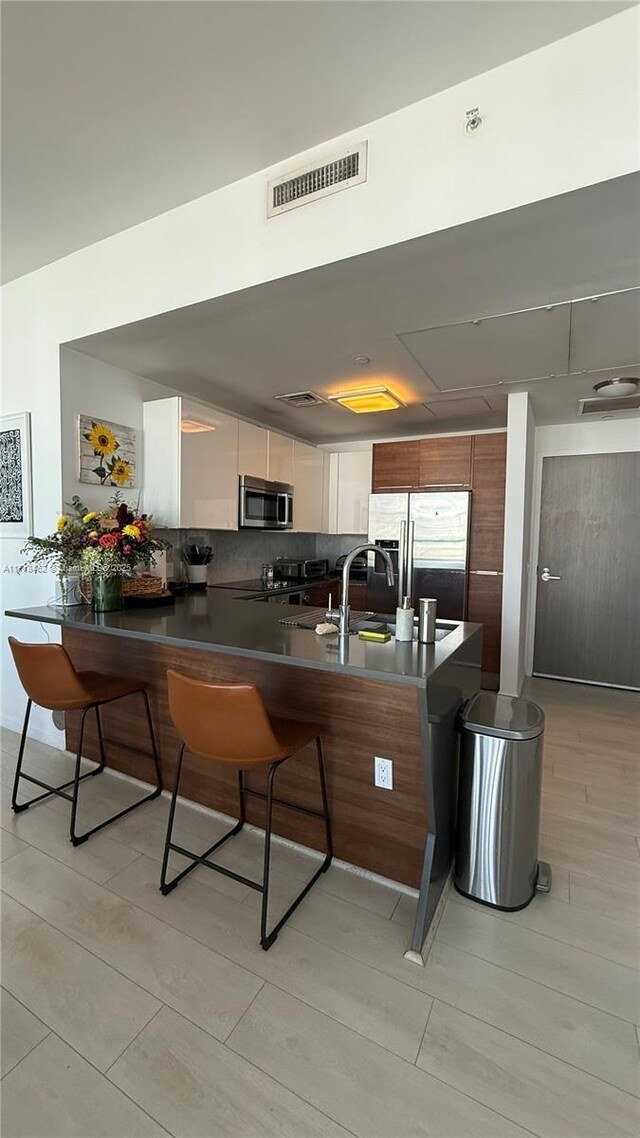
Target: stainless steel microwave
(265, 505)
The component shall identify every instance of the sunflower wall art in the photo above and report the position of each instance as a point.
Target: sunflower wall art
(107, 452)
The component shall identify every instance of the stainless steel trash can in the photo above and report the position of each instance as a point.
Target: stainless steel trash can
(499, 801)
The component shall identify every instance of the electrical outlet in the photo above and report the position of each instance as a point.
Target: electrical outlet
(383, 773)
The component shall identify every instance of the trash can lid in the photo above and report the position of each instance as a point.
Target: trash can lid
(505, 716)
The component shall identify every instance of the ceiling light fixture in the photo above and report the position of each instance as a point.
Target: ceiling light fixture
(367, 400)
(615, 388)
(193, 427)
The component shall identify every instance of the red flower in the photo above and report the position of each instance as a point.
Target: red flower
(108, 541)
(126, 548)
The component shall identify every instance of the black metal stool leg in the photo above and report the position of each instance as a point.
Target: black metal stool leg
(76, 784)
(164, 887)
(154, 746)
(16, 781)
(267, 940)
(325, 804)
(101, 764)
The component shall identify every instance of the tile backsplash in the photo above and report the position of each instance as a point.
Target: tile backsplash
(240, 555)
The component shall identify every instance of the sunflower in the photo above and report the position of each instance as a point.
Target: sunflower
(89, 517)
(102, 439)
(62, 522)
(121, 472)
(131, 531)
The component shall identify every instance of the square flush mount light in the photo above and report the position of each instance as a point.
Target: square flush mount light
(368, 399)
(192, 427)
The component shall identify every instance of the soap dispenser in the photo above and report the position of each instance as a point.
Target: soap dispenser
(404, 620)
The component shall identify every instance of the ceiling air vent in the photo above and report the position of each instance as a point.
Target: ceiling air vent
(604, 406)
(348, 168)
(301, 399)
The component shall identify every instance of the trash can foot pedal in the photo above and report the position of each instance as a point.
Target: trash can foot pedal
(543, 882)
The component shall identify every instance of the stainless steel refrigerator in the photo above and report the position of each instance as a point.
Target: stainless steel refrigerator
(427, 537)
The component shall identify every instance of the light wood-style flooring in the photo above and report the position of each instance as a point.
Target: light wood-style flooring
(127, 1014)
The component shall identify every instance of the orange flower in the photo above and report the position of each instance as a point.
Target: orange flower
(108, 541)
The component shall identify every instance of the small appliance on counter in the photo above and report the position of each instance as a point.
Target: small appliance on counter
(294, 569)
(358, 567)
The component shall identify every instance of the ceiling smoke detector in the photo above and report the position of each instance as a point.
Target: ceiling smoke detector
(617, 388)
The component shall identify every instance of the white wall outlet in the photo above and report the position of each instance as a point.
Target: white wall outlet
(383, 773)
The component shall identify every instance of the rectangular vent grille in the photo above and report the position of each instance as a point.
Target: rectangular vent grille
(602, 406)
(348, 168)
(301, 399)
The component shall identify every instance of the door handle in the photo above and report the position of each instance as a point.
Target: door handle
(547, 576)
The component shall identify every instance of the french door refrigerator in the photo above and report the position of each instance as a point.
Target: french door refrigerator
(427, 537)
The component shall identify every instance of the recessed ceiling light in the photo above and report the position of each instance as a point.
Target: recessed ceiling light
(193, 427)
(622, 385)
(367, 400)
(361, 361)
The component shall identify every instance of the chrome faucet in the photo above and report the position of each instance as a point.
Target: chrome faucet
(341, 614)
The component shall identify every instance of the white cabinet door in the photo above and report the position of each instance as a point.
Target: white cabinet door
(308, 483)
(354, 487)
(161, 461)
(280, 458)
(190, 478)
(209, 472)
(253, 450)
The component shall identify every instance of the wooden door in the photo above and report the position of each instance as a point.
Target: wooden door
(445, 462)
(588, 609)
(396, 466)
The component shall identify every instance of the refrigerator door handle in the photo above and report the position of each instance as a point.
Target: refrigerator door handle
(402, 560)
(411, 533)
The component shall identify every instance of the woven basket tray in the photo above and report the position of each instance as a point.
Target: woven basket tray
(146, 585)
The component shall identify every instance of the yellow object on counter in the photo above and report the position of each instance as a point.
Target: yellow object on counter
(379, 637)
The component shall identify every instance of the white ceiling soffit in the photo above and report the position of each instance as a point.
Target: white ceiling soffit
(538, 343)
(457, 408)
(113, 113)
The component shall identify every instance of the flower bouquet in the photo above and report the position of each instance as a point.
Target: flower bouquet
(101, 546)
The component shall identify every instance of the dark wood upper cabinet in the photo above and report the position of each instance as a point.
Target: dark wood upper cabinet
(445, 462)
(487, 503)
(396, 466)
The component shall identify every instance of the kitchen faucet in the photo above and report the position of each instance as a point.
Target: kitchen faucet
(342, 613)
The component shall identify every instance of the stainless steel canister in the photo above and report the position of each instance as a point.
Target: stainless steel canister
(427, 613)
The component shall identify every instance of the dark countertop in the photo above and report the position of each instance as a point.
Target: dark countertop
(219, 620)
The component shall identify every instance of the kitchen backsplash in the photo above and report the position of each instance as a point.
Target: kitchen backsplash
(239, 555)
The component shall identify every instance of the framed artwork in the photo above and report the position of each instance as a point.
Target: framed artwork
(107, 452)
(16, 507)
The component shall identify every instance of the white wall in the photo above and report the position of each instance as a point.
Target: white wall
(549, 127)
(517, 530)
(602, 437)
(92, 387)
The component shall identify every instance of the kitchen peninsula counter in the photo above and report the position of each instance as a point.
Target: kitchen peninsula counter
(397, 700)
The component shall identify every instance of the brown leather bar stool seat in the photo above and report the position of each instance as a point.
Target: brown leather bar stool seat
(228, 724)
(51, 681)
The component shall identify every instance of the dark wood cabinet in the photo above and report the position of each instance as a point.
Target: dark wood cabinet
(487, 503)
(484, 605)
(396, 466)
(319, 594)
(445, 462)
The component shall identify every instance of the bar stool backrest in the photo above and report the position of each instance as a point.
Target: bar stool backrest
(222, 722)
(46, 673)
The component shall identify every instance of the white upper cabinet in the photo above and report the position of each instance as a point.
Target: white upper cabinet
(253, 450)
(349, 489)
(308, 483)
(280, 458)
(190, 465)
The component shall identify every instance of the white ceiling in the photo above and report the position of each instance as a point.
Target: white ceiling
(113, 113)
(241, 350)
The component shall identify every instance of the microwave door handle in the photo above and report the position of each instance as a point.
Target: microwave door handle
(283, 514)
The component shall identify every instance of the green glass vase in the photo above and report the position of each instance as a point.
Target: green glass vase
(107, 594)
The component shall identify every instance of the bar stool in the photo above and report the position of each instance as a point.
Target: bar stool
(51, 681)
(228, 724)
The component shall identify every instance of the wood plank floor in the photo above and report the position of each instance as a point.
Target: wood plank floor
(127, 1014)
